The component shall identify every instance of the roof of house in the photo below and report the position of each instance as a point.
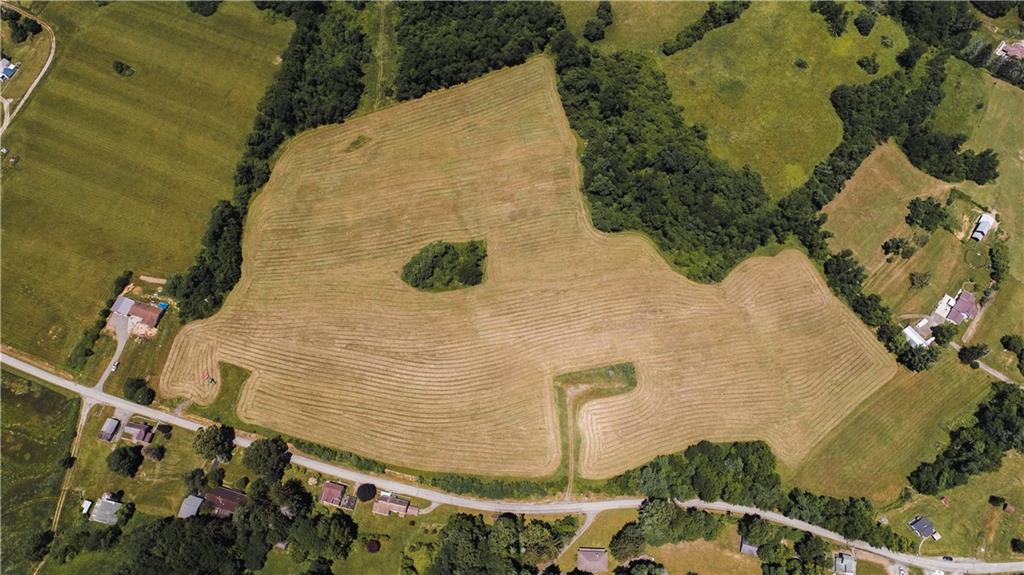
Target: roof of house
(224, 500)
(190, 506)
(332, 493)
(592, 559)
(388, 504)
(4, 62)
(122, 305)
(139, 431)
(922, 526)
(983, 225)
(1015, 50)
(845, 563)
(148, 314)
(105, 511)
(965, 307)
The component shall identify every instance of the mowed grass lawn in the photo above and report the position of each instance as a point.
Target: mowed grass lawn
(905, 422)
(121, 173)
(640, 26)
(38, 427)
(760, 109)
(970, 526)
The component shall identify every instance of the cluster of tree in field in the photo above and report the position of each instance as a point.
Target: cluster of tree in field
(940, 155)
(1014, 343)
(466, 544)
(662, 522)
(21, 28)
(835, 14)
(83, 350)
(440, 266)
(744, 473)
(203, 7)
(718, 14)
(809, 554)
(593, 29)
(646, 170)
(448, 43)
(978, 447)
(319, 81)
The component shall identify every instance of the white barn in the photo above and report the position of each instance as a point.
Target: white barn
(981, 228)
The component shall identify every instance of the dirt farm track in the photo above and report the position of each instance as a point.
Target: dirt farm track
(344, 353)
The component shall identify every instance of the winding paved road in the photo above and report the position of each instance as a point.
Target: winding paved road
(589, 507)
(9, 117)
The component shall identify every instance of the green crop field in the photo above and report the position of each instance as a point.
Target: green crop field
(970, 526)
(38, 426)
(640, 26)
(903, 423)
(760, 109)
(121, 172)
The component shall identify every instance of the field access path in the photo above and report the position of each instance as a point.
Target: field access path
(587, 507)
(8, 114)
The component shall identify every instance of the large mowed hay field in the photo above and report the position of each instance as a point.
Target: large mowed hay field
(121, 172)
(760, 109)
(344, 353)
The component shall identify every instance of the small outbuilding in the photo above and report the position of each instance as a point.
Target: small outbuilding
(844, 563)
(592, 559)
(924, 527)
(109, 430)
(332, 494)
(348, 503)
(190, 506)
(984, 224)
(915, 339)
(747, 549)
(105, 510)
(1015, 50)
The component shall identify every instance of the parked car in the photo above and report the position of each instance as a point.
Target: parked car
(114, 367)
(947, 558)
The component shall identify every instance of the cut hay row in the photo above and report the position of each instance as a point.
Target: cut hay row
(345, 354)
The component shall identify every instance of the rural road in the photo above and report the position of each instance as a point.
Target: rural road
(8, 117)
(588, 507)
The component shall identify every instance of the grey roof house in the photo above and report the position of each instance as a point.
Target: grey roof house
(844, 564)
(105, 510)
(592, 559)
(190, 507)
(922, 526)
(109, 430)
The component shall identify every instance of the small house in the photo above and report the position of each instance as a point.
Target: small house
(965, 307)
(224, 501)
(924, 528)
(190, 507)
(387, 504)
(844, 563)
(981, 228)
(139, 432)
(592, 559)
(145, 313)
(105, 510)
(109, 430)
(348, 503)
(7, 70)
(1015, 50)
(332, 494)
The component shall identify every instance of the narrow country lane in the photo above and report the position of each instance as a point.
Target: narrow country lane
(960, 565)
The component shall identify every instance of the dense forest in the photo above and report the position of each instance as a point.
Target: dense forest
(447, 43)
(979, 447)
(319, 81)
(440, 266)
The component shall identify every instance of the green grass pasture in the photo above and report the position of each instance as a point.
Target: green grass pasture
(760, 109)
(905, 422)
(638, 26)
(120, 173)
(38, 425)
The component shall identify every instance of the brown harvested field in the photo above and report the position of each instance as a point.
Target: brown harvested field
(345, 353)
(873, 204)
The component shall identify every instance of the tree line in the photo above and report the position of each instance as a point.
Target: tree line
(319, 81)
(978, 447)
(718, 14)
(21, 28)
(745, 473)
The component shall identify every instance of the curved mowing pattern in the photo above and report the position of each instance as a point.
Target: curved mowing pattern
(346, 354)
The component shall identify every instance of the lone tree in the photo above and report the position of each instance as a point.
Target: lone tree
(268, 457)
(366, 492)
(944, 333)
(203, 7)
(136, 390)
(125, 460)
(213, 442)
(972, 353)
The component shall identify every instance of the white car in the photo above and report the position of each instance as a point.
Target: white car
(114, 367)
